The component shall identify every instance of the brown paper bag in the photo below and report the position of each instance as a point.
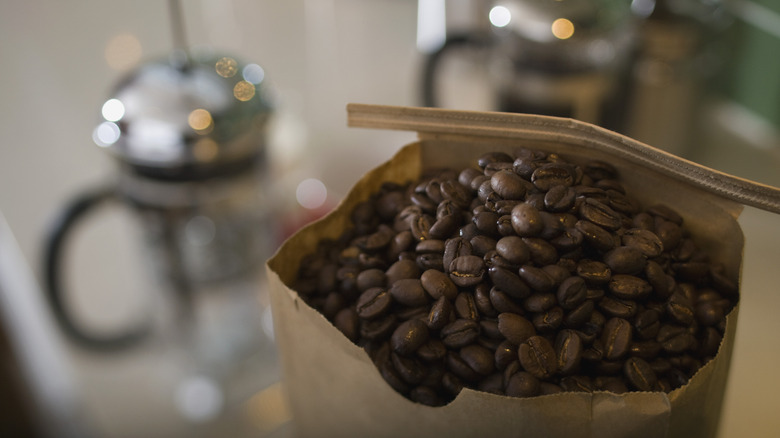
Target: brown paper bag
(335, 390)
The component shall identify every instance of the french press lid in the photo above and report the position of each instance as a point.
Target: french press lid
(187, 117)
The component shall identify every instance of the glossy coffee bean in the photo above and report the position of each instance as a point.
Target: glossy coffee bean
(537, 356)
(616, 338)
(373, 303)
(640, 374)
(409, 336)
(467, 271)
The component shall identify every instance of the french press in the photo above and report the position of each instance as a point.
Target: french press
(188, 134)
(549, 57)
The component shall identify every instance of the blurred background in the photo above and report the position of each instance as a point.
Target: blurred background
(698, 78)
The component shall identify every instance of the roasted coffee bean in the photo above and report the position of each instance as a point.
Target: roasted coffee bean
(454, 248)
(669, 233)
(440, 314)
(421, 226)
(629, 287)
(618, 307)
(486, 222)
(600, 214)
(548, 321)
(572, 292)
(576, 384)
(493, 157)
(373, 303)
(402, 269)
(481, 245)
(509, 282)
(552, 174)
(508, 184)
(643, 240)
(645, 349)
(625, 260)
(613, 384)
(523, 384)
(425, 395)
(409, 336)
(616, 338)
(370, 278)
(540, 302)
(346, 320)
(504, 225)
(570, 239)
(594, 272)
(409, 292)
(502, 302)
(542, 252)
(438, 284)
(479, 358)
(526, 220)
(460, 333)
(515, 328)
(378, 329)
(460, 368)
(537, 278)
(492, 258)
(467, 271)
(432, 351)
(492, 384)
(596, 236)
(647, 323)
(680, 308)
(466, 307)
(578, 316)
(409, 369)
(568, 349)
(666, 212)
(537, 356)
(430, 261)
(513, 249)
(490, 331)
(559, 198)
(640, 374)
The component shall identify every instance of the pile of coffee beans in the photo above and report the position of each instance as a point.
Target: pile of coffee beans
(524, 275)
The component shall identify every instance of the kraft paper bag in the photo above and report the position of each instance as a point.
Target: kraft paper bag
(334, 389)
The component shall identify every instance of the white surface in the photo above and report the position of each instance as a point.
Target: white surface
(319, 55)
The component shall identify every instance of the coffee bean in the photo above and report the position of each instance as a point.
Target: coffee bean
(559, 198)
(548, 321)
(537, 278)
(513, 249)
(438, 284)
(460, 333)
(537, 356)
(526, 220)
(402, 269)
(540, 302)
(572, 292)
(409, 369)
(523, 384)
(596, 236)
(502, 302)
(616, 338)
(600, 214)
(479, 358)
(629, 287)
(509, 282)
(643, 240)
(467, 271)
(409, 336)
(515, 328)
(568, 348)
(373, 303)
(640, 374)
(594, 272)
(625, 260)
(409, 292)
(549, 175)
(508, 184)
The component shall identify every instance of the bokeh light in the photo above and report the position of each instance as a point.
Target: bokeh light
(200, 120)
(562, 28)
(499, 16)
(243, 91)
(106, 134)
(253, 73)
(113, 110)
(226, 67)
(311, 193)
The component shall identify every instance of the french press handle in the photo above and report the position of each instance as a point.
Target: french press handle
(432, 61)
(56, 242)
